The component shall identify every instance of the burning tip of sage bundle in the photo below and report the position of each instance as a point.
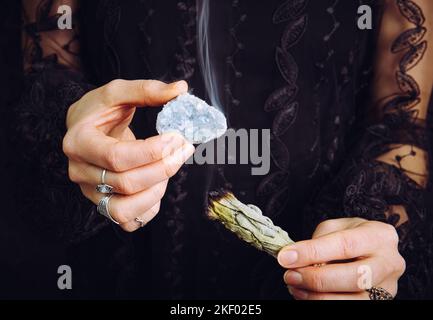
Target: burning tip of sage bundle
(247, 222)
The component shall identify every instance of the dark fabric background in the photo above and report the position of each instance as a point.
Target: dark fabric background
(25, 261)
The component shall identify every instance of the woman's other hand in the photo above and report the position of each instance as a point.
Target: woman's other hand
(344, 258)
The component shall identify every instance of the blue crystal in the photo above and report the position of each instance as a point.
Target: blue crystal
(193, 118)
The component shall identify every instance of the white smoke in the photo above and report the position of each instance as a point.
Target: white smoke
(204, 53)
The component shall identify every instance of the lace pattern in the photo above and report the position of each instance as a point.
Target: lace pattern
(52, 84)
(373, 189)
(50, 90)
(283, 103)
(184, 69)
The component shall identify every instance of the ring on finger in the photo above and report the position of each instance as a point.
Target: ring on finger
(379, 293)
(141, 222)
(103, 208)
(103, 187)
(319, 265)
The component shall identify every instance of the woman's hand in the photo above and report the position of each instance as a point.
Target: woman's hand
(356, 254)
(99, 137)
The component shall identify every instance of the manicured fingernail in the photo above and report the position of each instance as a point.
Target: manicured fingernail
(293, 278)
(288, 257)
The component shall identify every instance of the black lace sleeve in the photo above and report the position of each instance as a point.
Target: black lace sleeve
(387, 177)
(53, 81)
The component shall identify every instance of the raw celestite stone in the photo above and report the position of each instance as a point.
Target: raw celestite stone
(193, 118)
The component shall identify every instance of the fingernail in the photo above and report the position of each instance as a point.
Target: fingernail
(290, 290)
(187, 151)
(180, 156)
(293, 278)
(182, 85)
(298, 294)
(173, 139)
(288, 257)
(167, 139)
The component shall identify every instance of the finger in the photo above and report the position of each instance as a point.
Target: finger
(340, 277)
(124, 209)
(334, 225)
(138, 92)
(118, 156)
(146, 218)
(341, 245)
(300, 294)
(134, 180)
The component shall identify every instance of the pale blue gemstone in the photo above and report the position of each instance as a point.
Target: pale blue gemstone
(193, 118)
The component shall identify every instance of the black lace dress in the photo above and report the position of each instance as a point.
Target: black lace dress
(346, 112)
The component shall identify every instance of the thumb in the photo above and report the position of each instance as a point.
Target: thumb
(139, 92)
(158, 93)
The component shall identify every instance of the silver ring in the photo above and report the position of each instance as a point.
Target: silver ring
(103, 208)
(103, 187)
(141, 222)
(379, 293)
(104, 172)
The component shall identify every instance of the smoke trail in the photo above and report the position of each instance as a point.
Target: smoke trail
(204, 53)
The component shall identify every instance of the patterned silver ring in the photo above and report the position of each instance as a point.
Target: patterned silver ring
(378, 293)
(103, 187)
(103, 208)
(141, 222)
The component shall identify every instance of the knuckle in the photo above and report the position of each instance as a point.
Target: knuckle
(158, 191)
(73, 174)
(348, 245)
(119, 213)
(112, 159)
(393, 235)
(312, 253)
(388, 267)
(389, 233)
(68, 145)
(316, 282)
(153, 154)
(144, 85)
(400, 265)
(126, 185)
(110, 90)
(328, 224)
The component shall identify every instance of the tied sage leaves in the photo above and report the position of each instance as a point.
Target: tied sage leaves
(247, 222)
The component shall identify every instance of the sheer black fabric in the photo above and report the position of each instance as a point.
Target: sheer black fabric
(342, 145)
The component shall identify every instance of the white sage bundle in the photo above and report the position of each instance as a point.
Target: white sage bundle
(247, 222)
